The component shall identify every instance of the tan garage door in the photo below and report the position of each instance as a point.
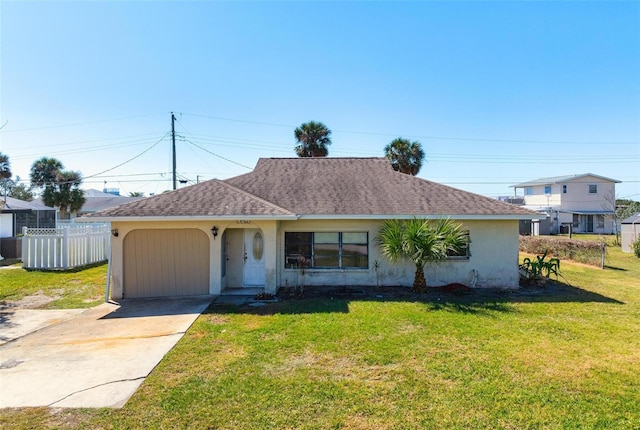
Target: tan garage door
(164, 263)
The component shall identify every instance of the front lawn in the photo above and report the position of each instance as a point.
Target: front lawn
(54, 289)
(564, 357)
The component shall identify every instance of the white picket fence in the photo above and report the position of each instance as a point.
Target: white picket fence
(65, 248)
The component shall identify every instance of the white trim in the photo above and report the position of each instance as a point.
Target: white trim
(309, 217)
(423, 216)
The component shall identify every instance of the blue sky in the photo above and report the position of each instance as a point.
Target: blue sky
(497, 92)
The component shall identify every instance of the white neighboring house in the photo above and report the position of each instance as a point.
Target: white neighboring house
(585, 202)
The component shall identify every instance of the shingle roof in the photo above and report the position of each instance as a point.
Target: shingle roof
(560, 179)
(360, 186)
(319, 187)
(18, 204)
(210, 198)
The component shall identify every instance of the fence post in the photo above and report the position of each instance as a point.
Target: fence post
(65, 248)
(25, 247)
(604, 250)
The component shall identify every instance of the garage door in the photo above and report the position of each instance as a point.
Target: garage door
(165, 263)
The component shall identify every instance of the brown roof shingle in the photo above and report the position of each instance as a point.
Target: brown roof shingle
(211, 198)
(360, 186)
(318, 187)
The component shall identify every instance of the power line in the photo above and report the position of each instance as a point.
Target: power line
(216, 155)
(469, 139)
(46, 127)
(130, 159)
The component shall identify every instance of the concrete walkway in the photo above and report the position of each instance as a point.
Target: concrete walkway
(95, 358)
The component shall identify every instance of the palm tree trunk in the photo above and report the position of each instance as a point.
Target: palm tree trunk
(419, 282)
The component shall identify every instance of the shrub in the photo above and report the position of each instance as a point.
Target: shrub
(636, 247)
(581, 251)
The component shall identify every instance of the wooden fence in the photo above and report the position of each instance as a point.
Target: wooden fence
(66, 247)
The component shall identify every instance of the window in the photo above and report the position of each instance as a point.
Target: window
(564, 189)
(528, 191)
(593, 189)
(547, 189)
(327, 250)
(600, 221)
(464, 253)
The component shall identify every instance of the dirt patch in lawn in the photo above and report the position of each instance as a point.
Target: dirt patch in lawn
(34, 301)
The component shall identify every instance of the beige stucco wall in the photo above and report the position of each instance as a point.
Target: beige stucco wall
(494, 255)
(268, 229)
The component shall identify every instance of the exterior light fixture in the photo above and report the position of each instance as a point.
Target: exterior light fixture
(114, 232)
(214, 231)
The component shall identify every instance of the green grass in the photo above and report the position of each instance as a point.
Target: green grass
(76, 289)
(567, 357)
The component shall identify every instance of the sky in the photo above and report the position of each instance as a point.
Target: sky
(497, 93)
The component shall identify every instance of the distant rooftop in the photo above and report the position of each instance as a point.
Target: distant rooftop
(561, 179)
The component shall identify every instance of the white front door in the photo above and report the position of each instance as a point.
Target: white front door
(254, 249)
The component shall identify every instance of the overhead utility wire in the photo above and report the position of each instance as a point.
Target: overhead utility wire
(129, 160)
(75, 124)
(216, 155)
(206, 150)
(421, 136)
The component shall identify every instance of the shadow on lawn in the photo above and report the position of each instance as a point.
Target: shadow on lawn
(485, 302)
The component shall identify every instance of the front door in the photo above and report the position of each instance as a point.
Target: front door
(588, 224)
(253, 272)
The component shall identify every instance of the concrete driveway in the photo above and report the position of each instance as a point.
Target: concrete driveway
(92, 358)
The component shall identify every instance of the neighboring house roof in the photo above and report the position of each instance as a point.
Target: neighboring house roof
(320, 188)
(16, 204)
(633, 219)
(96, 200)
(561, 180)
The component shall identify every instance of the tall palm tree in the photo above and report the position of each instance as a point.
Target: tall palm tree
(60, 188)
(5, 166)
(405, 156)
(421, 241)
(313, 138)
(44, 171)
(66, 194)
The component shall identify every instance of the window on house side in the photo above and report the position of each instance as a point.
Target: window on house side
(464, 253)
(600, 221)
(547, 189)
(564, 189)
(593, 189)
(528, 191)
(327, 250)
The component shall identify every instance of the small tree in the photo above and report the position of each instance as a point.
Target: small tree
(421, 241)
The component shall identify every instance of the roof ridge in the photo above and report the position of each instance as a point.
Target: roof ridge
(253, 196)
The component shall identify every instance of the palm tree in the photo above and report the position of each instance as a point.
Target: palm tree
(405, 156)
(421, 241)
(5, 166)
(60, 188)
(313, 138)
(44, 171)
(66, 194)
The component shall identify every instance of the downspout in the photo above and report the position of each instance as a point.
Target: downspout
(107, 290)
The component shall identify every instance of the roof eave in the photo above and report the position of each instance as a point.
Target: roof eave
(499, 217)
(188, 218)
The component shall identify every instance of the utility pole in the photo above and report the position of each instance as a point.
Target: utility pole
(173, 146)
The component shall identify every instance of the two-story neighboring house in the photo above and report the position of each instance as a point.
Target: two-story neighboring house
(585, 202)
